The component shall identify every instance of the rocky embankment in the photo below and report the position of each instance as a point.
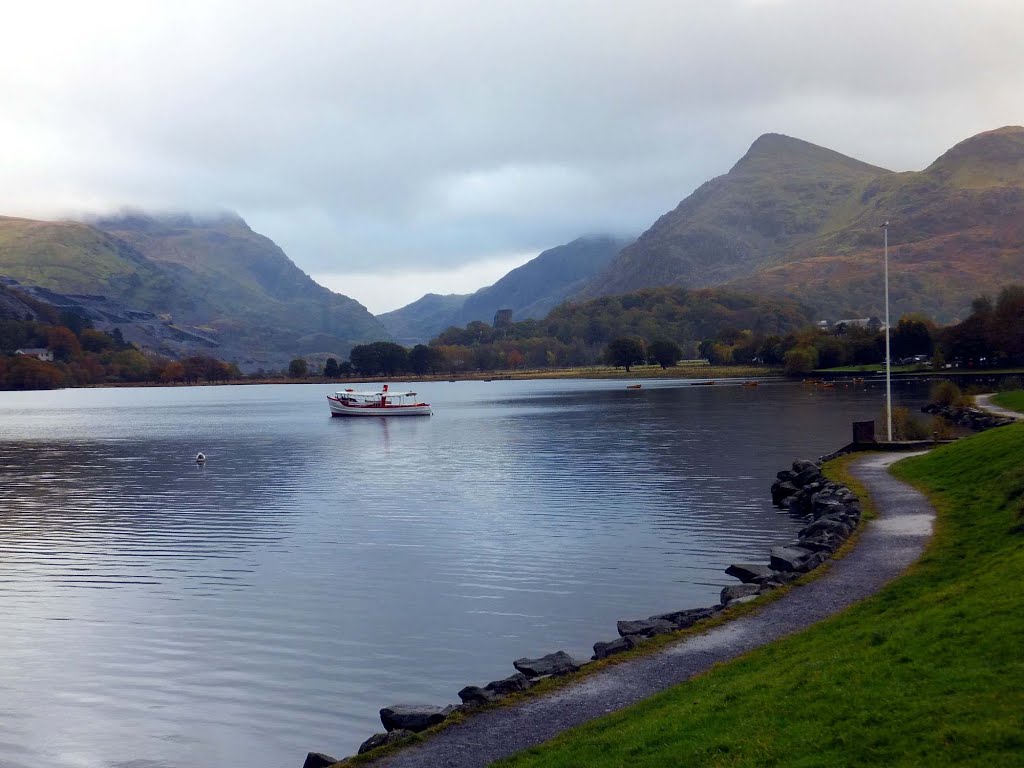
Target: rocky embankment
(831, 513)
(973, 418)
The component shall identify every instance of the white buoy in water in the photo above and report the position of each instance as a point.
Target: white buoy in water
(200, 458)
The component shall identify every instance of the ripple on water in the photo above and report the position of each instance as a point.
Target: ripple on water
(160, 613)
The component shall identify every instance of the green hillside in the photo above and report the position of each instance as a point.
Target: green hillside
(257, 292)
(782, 192)
(794, 220)
(72, 257)
(210, 273)
(927, 673)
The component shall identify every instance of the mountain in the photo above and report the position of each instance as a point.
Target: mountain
(956, 231)
(537, 287)
(423, 319)
(796, 220)
(781, 192)
(530, 291)
(209, 278)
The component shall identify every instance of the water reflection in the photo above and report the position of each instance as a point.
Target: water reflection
(317, 569)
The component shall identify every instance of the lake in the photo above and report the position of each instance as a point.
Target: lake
(158, 613)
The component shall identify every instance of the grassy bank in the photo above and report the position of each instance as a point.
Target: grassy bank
(1013, 400)
(928, 672)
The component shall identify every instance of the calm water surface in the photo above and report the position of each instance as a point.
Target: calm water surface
(158, 613)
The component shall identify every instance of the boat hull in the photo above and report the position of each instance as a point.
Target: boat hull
(339, 408)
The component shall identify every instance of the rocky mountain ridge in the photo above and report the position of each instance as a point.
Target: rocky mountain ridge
(206, 281)
(796, 220)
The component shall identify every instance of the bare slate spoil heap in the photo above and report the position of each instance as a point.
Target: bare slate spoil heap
(832, 512)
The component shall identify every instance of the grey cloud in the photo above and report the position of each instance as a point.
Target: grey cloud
(447, 131)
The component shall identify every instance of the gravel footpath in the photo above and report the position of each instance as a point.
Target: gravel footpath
(985, 403)
(889, 544)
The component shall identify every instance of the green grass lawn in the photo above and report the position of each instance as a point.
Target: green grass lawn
(929, 672)
(1013, 400)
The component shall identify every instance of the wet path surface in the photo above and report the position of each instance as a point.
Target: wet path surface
(893, 541)
(985, 402)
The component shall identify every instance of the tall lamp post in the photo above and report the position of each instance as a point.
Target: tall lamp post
(888, 356)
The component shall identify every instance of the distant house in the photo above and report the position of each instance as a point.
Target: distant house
(871, 323)
(40, 353)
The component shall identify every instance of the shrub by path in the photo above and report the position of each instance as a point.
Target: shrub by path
(886, 548)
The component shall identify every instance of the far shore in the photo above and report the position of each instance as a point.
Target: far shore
(686, 370)
(696, 370)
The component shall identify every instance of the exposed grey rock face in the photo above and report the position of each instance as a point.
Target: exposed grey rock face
(735, 591)
(558, 663)
(412, 717)
(318, 760)
(645, 627)
(749, 573)
(383, 740)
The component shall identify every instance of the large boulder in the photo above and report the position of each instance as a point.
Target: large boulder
(645, 627)
(828, 525)
(789, 558)
(802, 464)
(476, 696)
(318, 760)
(688, 617)
(782, 491)
(807, 476)
(384, 740)
(618, 645)
(747, 572)
(736, 591)
(412, 717)
(558, 663)
(511, 684)
(821, 542)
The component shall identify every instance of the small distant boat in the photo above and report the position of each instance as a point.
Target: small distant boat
(749, 383)
(634, 386)
(200, 458)
(703, 383)
(376, 403)
(826, 385)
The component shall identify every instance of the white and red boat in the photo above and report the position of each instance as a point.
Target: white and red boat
(348, 402)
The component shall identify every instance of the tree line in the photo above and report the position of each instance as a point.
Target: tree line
(992, 335)
(83, 355)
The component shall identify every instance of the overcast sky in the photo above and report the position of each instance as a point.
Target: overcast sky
(395, 148)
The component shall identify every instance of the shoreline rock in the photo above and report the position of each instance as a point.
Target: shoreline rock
(832, 513)
(557, 663)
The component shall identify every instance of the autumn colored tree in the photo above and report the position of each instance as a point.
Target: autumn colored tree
(173, 371)
(63, 343)
(26, 372)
